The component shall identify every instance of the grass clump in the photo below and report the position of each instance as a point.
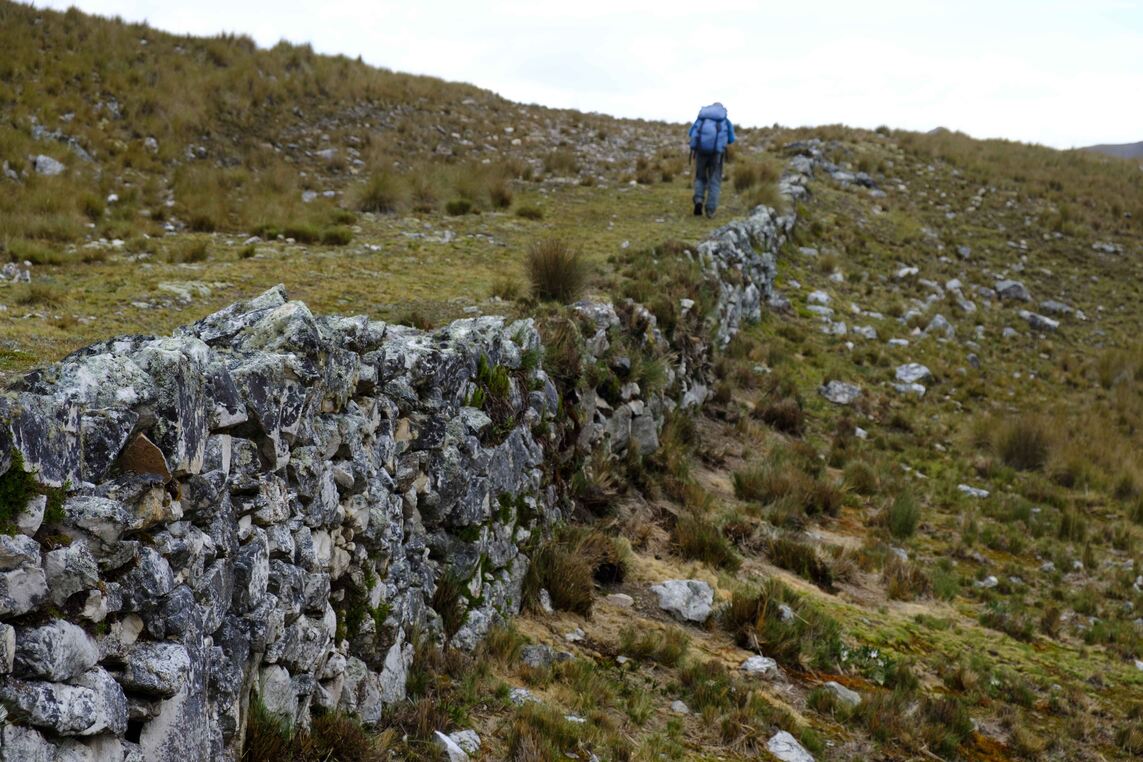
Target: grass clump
(903, 515)
(529, 212)
(336, 236)
(570, 564)
(1024, 443)
(776, 621)
(700, 539)
(271, 738)
(904, 580)
(384, 193)
(802, 559)
(666, 647)
(556, 270)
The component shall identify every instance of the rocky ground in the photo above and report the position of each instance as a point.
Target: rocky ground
(905, 526)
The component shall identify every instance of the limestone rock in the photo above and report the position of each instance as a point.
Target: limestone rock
(688, 599)
(1012, 290)
(763, 666)
(786, 748)
(840, 392)
(842, 694)
(57, 651)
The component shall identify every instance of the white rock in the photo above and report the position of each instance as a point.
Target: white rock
(844, 695)
(971, 491)
(786, 748)
(987, 583)
(452, 750)
(621, 600)
(678, 707)
(840, 392)
(688, 599)
(47, 166)
(911, 373)
(818, 297)
(916, 389)
(467, 740)
(763, 666)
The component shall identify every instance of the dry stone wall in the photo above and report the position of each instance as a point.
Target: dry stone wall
(268, 504)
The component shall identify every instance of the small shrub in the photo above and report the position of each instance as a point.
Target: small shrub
(569, 565)
(903, 580)
(459, 207)
(557, 271)
(802, 559)
(506, 288)
(666, 647)
(191, 251)
(1024, 443)
(302, 233)
(561, 162)
(699, 539)
(861, 477)
(530, 212)
(336, 236)
(903, 515)
(382, 194)
(448, 602)
(783, 415)
(248, 251)
(39, 293)
(776, 621)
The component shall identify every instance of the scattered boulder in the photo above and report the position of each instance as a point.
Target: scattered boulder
(1012, 290)
(786, 748)
(1039, 322)
(57, 651)
(47, 166)
(971, 491)
(452, 750)
(688, 599)
(680, 707)
(912, 373)
(763, 666)
(840, 392)
(843, 695)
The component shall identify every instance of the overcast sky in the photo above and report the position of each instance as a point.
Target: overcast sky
(1059, 72)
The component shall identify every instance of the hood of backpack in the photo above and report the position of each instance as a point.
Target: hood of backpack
(715, 111)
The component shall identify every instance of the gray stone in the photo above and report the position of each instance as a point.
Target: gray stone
(762, 666)
(22, 590)
(467, 740)
(786, 748)
(840, 392)
(452, 750)
(842, 694)
(58, 651)
(971, 491)
(537, 656)
(47, 166)
(70, 570)
(18, 551)
(94, 705)
(1012, 290)
(688, 599)
(23, 744)
(156, 669)
(7, 648)
(521, 696)
(1039, 322)
(911, 373)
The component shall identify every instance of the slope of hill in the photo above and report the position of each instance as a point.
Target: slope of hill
(1119, 151)
(921, 484)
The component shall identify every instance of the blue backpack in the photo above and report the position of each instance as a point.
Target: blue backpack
(710, 132)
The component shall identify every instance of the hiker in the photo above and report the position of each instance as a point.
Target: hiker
(711, 133)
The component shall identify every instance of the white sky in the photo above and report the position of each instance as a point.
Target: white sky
(1059, 72)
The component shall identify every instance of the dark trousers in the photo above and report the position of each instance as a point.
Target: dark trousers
(708, 179)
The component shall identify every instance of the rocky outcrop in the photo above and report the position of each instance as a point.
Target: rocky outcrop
(267, 505)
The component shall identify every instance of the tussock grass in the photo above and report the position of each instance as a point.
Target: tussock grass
(666, 646)
(571, 564)
(557, 270)
(776, 621)
(699, 538)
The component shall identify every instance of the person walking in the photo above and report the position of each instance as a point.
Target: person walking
(711, 133)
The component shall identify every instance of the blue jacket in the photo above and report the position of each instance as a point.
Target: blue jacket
(712, 132)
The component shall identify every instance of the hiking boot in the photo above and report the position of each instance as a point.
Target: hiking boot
(698, 210)
(710, 214)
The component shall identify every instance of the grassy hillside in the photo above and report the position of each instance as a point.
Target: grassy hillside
(1005, 626)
